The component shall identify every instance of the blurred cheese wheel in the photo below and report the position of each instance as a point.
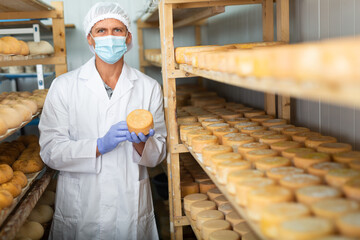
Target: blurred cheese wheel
(213, 193)
(321, 169)
(199, 142)
(338, 177)
(200, 206)
(224, 168)
(235, 121)
(333, 208)
(31, 229)
(231, 135)
(224, 234)
(280, 128)
(234, 218)
(310, 194)
(209, 121)
(219, 200)
(209, 151)
(244, 186)
(235, 142)
(259, 134)
(297, 181)
(271, 139)
(267, 163)
(186, 119)
(242, 228)
(305, 228)
(42, 47)
(346, 157)
(221, 157)
(314, 142)
(192, 198)
(305, 160)
(333, 148)
(277, 213)
(255, 155)
(273, 122)
(283, 145)
(261, 118)
(140, 121)
(184, 130)
(280, 172)
(302, 136)
(236, 176)
(349, 224)
(351, 188)
(41, 214)
(214, 225)
(206, 116)
(6, 199)
(230, 115)
(220, 132)
(189, 188)
(252, 129)
(195, 133)
(291, 152)
(253, 113)
(11, 116)
(205, 186)
(355, 164)
(294, 130)
(242, 125)
(206, 216)
(247, 147)
(226, 208)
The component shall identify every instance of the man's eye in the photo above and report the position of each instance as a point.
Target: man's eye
(100, 30)
(118, 30)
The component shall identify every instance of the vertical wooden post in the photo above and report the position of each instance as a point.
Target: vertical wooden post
(282, 25)
(268, 36)
(141, 45)
(58, 30)
(198, 42)
(169, 84)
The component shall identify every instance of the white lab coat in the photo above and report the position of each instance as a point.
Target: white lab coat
(107, 197)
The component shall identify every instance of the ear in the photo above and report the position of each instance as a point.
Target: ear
(90, 40)
(129, 38)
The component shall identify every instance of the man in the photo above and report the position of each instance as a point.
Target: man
(103, 189)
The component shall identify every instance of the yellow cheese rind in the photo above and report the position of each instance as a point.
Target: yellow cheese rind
(224, 234)
(314, 142)
(140, 121)
(302, 136)
(199, 142)
(213, 193)
(310, 194)
(333, 208)
(305, 160)
(349, 224)
(234, 218)
(192, 198)
(351, 188)
(346, 157)
(209, 151)
(236, 176)
(267, 163)
(206, 216)
(333, 148)
(200, 206)
(297, 181)
(338, 177)
(320, 169)
(224, 168)
(244, 186)
(213, 225)
(280, 172)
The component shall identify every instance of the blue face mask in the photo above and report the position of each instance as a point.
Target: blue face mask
(110, 48)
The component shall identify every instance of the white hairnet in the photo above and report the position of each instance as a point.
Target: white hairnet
(105, 10)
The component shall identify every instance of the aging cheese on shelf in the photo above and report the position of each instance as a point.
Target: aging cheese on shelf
(226, 208)
(355, 164)
(247, 147)
(213, 225)
(242, 228)
(271, 139)
(253, 113)
(215, 126)
(338, 177)
(305, 228)
(349, 224)
(291, 152)
(255, 155)
(220, 200)
(242, 125)
(266, 163)
(208, 215)
(321, 169)
(259, 134)
(333, 148)
(346, 157)
(275, 214)
(231, 135)
(224, 168)
(195, 133)
(234, 218)
(230, 115)
(351, 188)
(140, 121)
(252, 129)
(244, 186)
(261, 118)
(333, 208)
(205, 186)
(220, 132)
(224, 234)
(273, 122)
(297, 181)
(236, 176)
(302, 136)
(235, 121)
(314, 142)
(185, 130)
(310, 194)
(197, 207)
(192, 198)
(209, 151)
(206, 116)
(281, 127)
(199, 142)
(305, 160)
(259, 198)
(218, 158)
(189, 188)
(186, 119)
(213, 193)
(283, 145)
(235, 142)
(294, 130)
(209, 121)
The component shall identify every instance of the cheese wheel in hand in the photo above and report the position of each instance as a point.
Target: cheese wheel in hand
(140, 121)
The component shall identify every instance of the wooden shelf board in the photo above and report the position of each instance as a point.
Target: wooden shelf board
(26, 62)
(254, 226)
(193, 225)
(347, 93)
(24, 6)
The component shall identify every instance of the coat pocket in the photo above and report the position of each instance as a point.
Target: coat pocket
(145, 199)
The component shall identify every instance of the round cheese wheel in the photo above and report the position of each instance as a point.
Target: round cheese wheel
(354, 164)
(259, 198)
(333, 208)
(243, 109)
(186, 129)
(31, 229)
(220, 132)
(234, 218)
(305, 228)
(247, 147)
(291, 152)
(224, 234)
(226, 208)
(235, 121)
(294, 130)
(275, 214)
(213, 225)
(305, 160)
(302, 136)
(140, 121)
(273, 122)
(346, 157)
(259, 134)
(224, 168)
(47, 198)
(242, 228)
(283, 145)
(297, 181)
(42, 47)
(242, 125)
(192, 198)
(195, 133)
(349, 224)
(205, 186)
(310, 194)
(215, 126)
(236, 176)
(270, 139)
(41, 214)
(266, 163)
(231, 135)
(219, 200)
(218, 158)
(280, 128)
(189, 188)
(321, 169)
(244, 186)
(333, 148)
(6, 173)
(209, 151)
(235, 142)
(255, 155)
(186, 119)
(199, 142)
(338, 177)
(261, 118)
(213, 193)
(209, 121)
(253, 113)
(6, 198)
(206, 216)
(230, 115)
(252, 129)
(207, 116)
(351, 188)
(197, 207)
(314, 142)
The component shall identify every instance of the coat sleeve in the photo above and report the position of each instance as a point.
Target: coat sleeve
(155, 147)
(57, 149)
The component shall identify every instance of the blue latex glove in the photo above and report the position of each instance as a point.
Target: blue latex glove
(115, 135)
(131, 137)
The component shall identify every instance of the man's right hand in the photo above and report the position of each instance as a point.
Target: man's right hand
(115, 135)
